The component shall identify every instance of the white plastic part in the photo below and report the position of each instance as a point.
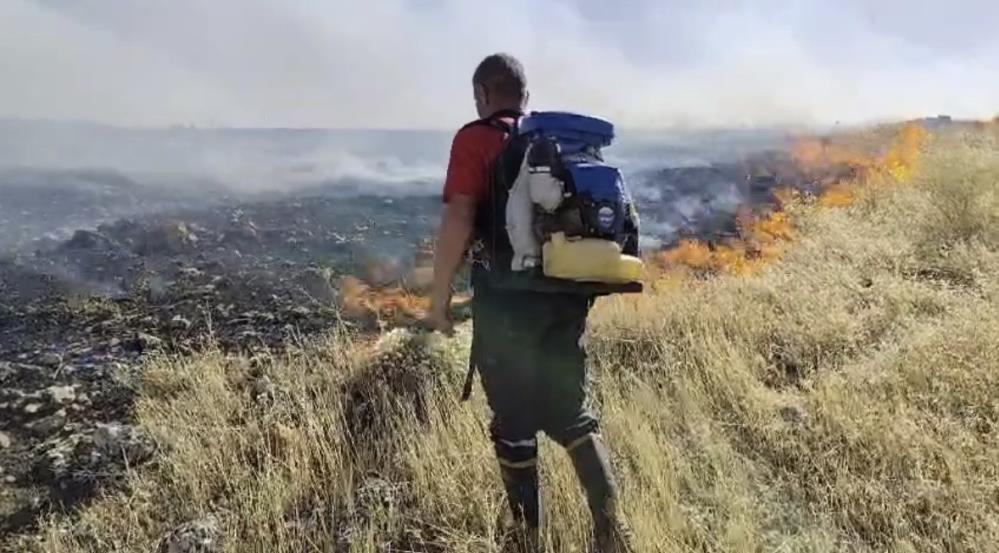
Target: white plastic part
(519, 219)
(546, 190)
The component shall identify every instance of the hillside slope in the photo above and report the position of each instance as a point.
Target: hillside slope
(842, 398)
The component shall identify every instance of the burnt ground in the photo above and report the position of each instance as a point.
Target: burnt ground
(77, 316)
(148, 272)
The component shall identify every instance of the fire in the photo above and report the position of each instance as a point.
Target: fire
(895, 166)
(396, 304)
(691, 253)
(769, 229)
(904, 153)
(405, 301)
(759, 243)
(387, 291)
(821, 154)
(837, 168)
(837, 195)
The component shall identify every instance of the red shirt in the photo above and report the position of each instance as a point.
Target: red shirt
(472, 152)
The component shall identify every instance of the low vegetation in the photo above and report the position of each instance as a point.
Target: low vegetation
(842, 398)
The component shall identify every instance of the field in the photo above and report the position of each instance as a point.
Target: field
(843, 396)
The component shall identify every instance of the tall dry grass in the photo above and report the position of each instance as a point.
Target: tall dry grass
(844, 399)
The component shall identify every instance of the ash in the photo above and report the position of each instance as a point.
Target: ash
(78, 315)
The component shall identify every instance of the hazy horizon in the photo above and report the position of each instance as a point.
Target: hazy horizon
(403, 64)
(790, 127)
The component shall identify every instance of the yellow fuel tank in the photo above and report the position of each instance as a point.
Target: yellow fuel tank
(589, 260)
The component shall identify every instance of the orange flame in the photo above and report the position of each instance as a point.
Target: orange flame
(838, 167)
(821, 155)
(393, 304)
(904, 153)
(837, 195)
(895, 166)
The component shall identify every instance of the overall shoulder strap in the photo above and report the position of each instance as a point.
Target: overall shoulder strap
(497, 120)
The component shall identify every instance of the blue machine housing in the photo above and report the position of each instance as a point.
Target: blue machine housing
(600, 189)
(572, 131)
(602, 196)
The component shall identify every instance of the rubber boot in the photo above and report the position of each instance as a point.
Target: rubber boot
(524, 498)
(592, 463)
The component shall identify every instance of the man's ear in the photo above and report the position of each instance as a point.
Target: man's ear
(482, 94)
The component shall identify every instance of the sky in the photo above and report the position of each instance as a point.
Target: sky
(408, 63)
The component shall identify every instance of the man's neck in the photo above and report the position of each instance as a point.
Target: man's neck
(516, 108)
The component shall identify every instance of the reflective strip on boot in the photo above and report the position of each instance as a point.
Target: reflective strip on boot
(521, 483)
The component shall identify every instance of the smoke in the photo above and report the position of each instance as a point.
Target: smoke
(407, 63)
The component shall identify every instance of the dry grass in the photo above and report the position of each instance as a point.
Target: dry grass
(845, 398)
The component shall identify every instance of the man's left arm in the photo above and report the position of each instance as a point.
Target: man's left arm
(452, 240)
(464, 186)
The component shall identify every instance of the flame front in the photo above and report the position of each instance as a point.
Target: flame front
(836, 168)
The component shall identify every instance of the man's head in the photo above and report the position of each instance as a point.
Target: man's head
(499, 83)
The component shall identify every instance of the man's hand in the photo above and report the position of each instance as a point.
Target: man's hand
(439, 317)
(452, 239)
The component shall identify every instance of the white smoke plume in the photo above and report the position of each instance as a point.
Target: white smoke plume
(407, 63)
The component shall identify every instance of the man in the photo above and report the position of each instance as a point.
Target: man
(526, 343)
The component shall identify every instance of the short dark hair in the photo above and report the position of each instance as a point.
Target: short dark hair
(503, 75)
